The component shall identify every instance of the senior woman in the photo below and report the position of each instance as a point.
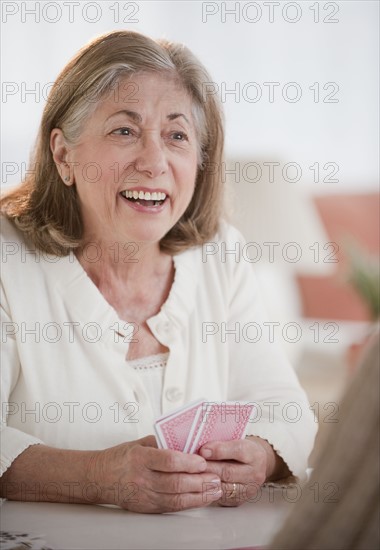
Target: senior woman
(107, 288)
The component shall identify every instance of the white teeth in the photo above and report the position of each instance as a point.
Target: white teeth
(155, 196)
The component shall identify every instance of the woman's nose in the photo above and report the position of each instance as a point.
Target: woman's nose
(151, 158)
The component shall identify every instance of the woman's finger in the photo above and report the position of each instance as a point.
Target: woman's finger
(231, 472)
(242, 450)
(175, 483)
(235, 494)
(231, 494)
(148, 441)
(166, 460)
(148, 499)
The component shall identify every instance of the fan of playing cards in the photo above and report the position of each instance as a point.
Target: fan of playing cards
(188, 428)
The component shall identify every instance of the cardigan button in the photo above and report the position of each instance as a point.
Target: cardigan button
(173, 394)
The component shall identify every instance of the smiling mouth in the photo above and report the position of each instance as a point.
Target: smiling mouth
(156, 198)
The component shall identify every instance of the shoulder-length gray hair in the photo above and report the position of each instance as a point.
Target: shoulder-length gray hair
(48, 211)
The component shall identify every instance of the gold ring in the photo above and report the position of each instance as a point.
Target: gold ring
(233, 493)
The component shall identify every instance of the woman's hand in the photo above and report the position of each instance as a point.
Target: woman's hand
(141, 478)
(243, 466)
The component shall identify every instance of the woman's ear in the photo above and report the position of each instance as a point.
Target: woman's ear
(59, 151)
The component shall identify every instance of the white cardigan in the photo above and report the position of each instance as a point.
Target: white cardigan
(64, 378)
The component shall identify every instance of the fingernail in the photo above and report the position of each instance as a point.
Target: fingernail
(217, 481)
(217, 495)
(202, 466)
(206, 453)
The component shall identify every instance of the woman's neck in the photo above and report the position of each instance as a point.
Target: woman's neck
(137, 285)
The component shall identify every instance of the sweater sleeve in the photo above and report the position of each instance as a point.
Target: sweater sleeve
(259, 370)
(13, 441)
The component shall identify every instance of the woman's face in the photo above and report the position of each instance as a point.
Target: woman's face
(136, 161)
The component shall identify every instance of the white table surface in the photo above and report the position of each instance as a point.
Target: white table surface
(77, 526)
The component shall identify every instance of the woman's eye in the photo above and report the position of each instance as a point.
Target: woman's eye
(123, 131)
(179, 136)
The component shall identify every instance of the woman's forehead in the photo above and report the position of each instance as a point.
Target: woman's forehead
(142, 93)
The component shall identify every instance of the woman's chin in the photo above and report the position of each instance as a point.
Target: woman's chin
(144, 236)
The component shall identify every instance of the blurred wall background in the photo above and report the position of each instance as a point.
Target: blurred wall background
(340, 126)
(299, 83)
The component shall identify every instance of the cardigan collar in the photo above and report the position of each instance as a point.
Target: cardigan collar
(86, 304)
